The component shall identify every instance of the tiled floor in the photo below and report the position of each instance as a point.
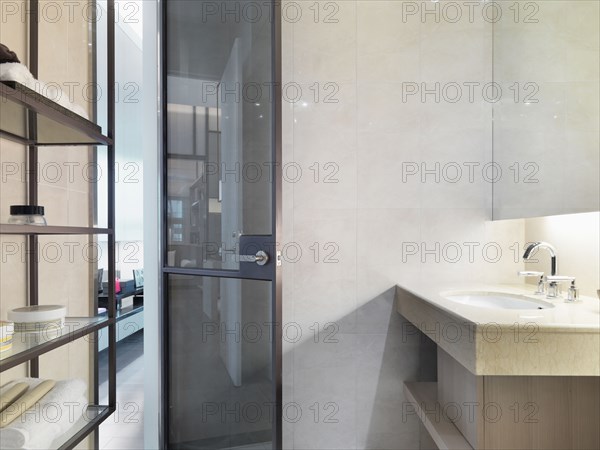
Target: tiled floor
(124, 430)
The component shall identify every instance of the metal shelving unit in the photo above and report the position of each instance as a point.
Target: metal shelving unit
(31, 119)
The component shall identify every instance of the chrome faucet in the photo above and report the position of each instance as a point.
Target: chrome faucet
(542, 287)
(550, 284)
(530, 249)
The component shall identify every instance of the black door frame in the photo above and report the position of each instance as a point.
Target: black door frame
(275, 274)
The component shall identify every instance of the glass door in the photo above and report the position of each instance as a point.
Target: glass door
(220, 265)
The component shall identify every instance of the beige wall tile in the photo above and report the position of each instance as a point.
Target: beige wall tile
(13, 32)
(372, 211)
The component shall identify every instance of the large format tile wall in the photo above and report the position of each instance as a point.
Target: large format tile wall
(373, 197)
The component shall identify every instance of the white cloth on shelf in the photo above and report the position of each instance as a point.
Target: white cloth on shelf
(21, 74)
(53, 415)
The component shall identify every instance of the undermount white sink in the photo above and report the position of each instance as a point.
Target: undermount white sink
(499, 300)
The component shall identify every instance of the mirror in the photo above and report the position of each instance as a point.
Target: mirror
(546, 122)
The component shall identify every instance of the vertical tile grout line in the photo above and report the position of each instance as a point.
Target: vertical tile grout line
(423, 203)
(421, 190)
(291, 235)
(491, 212)
(356, 193)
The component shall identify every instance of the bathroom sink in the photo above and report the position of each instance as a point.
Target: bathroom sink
(499, 300)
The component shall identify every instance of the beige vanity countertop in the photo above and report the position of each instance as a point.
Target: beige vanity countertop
(564, 340)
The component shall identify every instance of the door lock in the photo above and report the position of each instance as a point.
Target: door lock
(261, 258)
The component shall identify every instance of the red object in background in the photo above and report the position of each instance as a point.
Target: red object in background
(117, 286)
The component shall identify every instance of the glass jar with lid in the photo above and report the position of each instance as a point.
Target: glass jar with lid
(27, 215)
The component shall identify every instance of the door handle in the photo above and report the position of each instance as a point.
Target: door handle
(261, 258)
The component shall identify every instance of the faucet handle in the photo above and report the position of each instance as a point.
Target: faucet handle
(541, 286)
(573, 292)
(560, 278)
(553, 291)
(530, 273)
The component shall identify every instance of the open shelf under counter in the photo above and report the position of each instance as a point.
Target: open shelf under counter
(30, 345)
(52, 123)
(424, 398)
(6, 228)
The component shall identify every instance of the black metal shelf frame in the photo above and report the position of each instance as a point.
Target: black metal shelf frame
(39, 122)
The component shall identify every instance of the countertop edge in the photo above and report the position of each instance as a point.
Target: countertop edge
(555, 354)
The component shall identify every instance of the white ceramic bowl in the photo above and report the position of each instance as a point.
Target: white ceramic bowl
(38, 313)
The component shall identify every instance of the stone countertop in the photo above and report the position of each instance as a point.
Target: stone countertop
(583, 316)
(564, 340)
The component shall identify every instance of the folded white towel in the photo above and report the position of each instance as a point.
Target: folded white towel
(40, 434)
(17, 72)
(52, 416)
(21, 74)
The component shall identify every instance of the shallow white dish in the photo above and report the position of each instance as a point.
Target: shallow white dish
(7, 329)
(30, 319)
(37, 313)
